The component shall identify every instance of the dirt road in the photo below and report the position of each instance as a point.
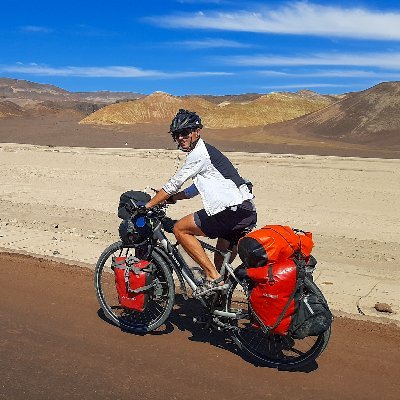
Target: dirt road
(54, 344)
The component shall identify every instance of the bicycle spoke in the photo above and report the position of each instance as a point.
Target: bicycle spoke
(272, 349)
(158, 306)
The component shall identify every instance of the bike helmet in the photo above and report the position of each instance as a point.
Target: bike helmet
(185, 119)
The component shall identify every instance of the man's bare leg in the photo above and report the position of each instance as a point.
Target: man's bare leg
(223, 245)
(185, 230)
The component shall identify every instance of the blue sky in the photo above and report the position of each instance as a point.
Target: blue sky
(201, 46)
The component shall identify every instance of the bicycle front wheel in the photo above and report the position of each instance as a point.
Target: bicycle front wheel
(161, 298)
(272, 350)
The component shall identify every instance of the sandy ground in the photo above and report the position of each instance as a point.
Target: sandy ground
(55, 344)
(61, 202)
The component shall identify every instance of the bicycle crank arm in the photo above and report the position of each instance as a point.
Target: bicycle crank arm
(228, 314)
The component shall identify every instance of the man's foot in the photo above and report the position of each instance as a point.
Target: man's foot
(209, 287)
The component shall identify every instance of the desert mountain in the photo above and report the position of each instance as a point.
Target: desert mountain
(359, 116)
(230, 98)
(161, 107)
(40, 99)
(9, 109)
(157, 107)
(20, 89)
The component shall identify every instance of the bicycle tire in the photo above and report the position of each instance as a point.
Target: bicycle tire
(271, 350)
(161, 299)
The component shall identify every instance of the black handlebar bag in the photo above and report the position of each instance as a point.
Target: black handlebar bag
(128, 202)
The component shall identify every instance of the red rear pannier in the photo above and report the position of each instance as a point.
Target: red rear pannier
(274, 285)
(133, 283)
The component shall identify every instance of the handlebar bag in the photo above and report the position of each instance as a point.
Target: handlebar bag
(126, 208)
(273, 243)
(133, 281)
(272, 294)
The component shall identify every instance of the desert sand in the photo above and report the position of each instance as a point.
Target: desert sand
(56, 344)
(61, 202)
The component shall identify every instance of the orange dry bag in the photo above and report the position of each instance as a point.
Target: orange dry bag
(273, 243)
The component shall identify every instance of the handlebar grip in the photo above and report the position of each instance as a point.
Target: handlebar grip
(142, 210)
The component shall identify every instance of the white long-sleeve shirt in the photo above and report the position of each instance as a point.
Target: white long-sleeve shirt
(215, 178)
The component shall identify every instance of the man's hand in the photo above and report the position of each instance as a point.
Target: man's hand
(171, 200)
(160, 197)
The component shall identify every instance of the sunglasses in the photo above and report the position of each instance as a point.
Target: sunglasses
(184, 133)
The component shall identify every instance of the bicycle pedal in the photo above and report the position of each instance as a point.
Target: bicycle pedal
(209, 292)
(202, 319)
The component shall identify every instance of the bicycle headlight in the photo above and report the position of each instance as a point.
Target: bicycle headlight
(142, 225)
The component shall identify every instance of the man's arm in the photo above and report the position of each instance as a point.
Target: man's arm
(162, 196)
(193, 165)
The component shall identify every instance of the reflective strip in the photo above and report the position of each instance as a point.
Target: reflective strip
(308, 306)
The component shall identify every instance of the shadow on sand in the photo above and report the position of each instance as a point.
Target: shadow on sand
(181, 318)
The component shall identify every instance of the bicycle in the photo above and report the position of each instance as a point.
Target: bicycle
(226, 310)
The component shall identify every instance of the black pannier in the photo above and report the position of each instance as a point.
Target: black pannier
(126, 207)
(312, 316)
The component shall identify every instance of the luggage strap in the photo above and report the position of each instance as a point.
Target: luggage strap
(136, 271)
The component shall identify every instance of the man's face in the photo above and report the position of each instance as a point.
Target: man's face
(185, 138)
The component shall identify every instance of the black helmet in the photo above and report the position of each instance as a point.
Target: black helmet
(185, 119)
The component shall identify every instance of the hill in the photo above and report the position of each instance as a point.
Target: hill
(372, 114)
(8, 109)
(161, 107)
(21, 97)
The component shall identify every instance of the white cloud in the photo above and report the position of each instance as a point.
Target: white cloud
(306, 86)
(378, 60)
(36, 29)
(334, 74)
(100, 72)
(298, 18)
(200, 1)
(212, 43)
(195, 73)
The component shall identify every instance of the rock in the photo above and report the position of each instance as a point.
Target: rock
(383, 307)
(55, 253)
(56, 226)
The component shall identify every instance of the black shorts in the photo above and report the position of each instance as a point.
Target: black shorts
(229, 224)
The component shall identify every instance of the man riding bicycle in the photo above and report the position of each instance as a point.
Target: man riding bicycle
(228, 212)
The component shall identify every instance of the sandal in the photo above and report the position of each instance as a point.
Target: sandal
(209, 287)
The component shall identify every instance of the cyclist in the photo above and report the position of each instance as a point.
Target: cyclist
(228, 211)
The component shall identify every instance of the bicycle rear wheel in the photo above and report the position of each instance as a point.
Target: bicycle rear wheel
(272, 350)
(161, 297)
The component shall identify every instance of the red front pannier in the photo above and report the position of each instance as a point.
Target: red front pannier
(133, 282)
(274, 286)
